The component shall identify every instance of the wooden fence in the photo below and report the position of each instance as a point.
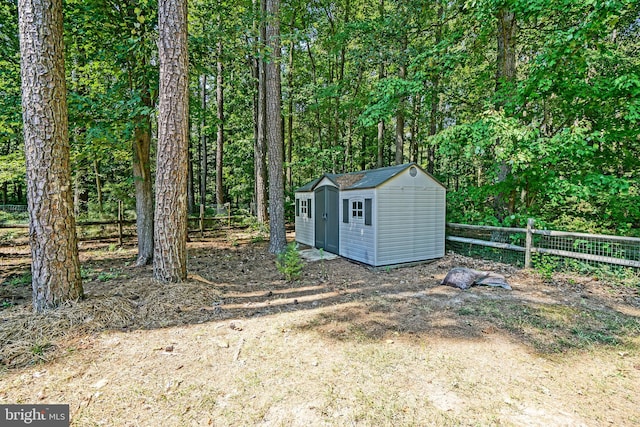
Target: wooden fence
(599, 248)
(13, 208)
(120, 222)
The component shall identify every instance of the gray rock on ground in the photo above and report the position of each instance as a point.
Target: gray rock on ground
(464, 278)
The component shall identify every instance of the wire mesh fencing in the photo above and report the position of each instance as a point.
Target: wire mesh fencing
(549, 250)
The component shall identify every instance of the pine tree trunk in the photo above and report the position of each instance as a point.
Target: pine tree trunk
(400, 135)
(204, 152)
(54, 248)
(170, 251)
(96, 173)
(220, 136)
(80, 190)
(191, 197)
(260, 152)
(380, 158)
(413, 146)
(402, 74)
(289, 157)
(278, 239)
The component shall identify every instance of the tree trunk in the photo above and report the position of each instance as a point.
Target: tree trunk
(400, 134)
(52, 232)
(80, 190)
(289, 156)
(204, 152)
(143, 188)
(380, 160)
(506, 58)
(400, 113)
(170, 251)
(413, 145)
(18, 189)
(314, 79)
(278, 238)
(260, 151)
(505, 78)
(191, 197)
(96, 172)
(220, 139)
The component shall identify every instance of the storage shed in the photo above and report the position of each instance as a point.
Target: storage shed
(379, 217)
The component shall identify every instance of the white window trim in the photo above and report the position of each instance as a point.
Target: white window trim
(355, 209)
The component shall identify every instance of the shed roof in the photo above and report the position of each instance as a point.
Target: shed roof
(363, 179)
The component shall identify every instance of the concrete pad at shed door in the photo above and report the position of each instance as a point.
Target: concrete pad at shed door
(314, 254)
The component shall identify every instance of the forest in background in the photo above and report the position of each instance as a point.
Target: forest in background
(522, 108)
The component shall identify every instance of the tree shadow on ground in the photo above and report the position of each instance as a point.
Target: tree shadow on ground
(234, 279)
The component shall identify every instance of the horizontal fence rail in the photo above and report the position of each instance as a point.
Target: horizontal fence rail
(13, 208)
(224, 216)
(591, 248)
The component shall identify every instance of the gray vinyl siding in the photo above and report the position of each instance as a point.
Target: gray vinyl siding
(357, 240)
(411, 223)
(305, 230)
(407, 215)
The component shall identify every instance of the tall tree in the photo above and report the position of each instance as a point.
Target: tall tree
(140, 88)
(402, 74)
(170, 252)
(260, 107)
(54, 248)
(204, 152)
(278, 238)
(505, 86)
(220, 113)
(381, 75)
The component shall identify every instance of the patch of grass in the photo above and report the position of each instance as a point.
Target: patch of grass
(21, 280)
(106, 276)
(258, 239)
(89, 274)
(552, 328)
(39, 350)
(86, 273)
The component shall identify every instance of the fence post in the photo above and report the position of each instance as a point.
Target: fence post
(120, 222)
(528, 243)
(201, 220)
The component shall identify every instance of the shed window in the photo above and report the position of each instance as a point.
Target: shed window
(345, 211)
(304, 207)
(356, 209)
(367, 211)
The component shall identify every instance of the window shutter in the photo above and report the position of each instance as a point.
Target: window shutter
(345, 210)
(297, 207)
(309, 208)
(367, 211)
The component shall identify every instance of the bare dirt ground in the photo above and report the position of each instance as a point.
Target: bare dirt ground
(345, 345)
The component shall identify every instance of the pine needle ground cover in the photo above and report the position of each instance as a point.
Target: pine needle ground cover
(239, 344)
